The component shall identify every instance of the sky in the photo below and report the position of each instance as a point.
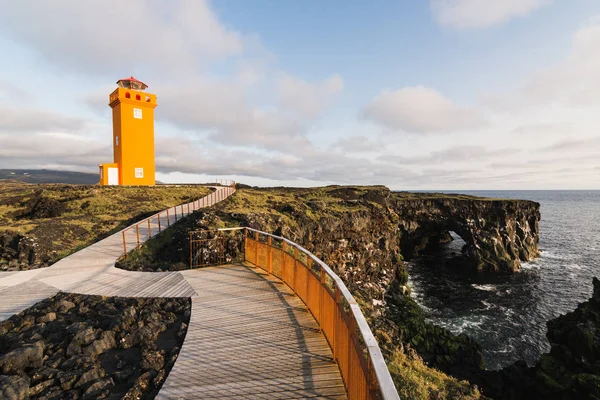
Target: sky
(411, 94)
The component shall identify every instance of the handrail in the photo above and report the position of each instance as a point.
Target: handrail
(376, 362)
(221, 193)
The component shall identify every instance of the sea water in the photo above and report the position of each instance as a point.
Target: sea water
(507, 314)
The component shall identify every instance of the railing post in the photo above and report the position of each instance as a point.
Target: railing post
(175, 210)
(159, 230)
(295, 268)
(270, 255)
(168, 220)
(245, 244)
(191, 251)
(149, 230)
(188, 208)
(351, 341)
(256, 248)
(283, 258)
(124, 244)
(322, 276)
(308, 273)
(371, 388)
(137, 232)
(336, 322)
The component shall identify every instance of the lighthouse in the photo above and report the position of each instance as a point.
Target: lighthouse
(133, 136)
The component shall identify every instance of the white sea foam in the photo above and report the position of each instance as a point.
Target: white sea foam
(551, 255)
(460, 325)
(487, 288)
(487, 304)
(530, 266)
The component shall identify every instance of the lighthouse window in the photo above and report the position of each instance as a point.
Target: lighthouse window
(139, 172)
(137, 113)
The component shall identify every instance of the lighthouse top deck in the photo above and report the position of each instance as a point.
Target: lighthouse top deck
(132, 83)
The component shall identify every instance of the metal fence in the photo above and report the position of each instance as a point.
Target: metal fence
(214, 247)
(354, 347)
(138, 233)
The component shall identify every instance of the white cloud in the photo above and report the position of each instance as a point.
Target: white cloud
(308, 99)
(563, 90)
(100, 36)
(23, 120)
(471, 14)
(421, 109)
(576, 80)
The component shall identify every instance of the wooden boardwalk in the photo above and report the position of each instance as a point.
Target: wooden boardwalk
(249, 336)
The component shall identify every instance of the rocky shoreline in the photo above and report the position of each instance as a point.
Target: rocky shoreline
(75, 346)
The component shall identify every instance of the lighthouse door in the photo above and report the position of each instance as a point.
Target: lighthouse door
(113, 176)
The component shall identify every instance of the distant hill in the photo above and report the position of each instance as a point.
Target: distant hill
(48, 176)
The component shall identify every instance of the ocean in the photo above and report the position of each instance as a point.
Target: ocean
(507, 314)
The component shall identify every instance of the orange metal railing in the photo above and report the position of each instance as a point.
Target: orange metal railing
(354, 347)
(155, 224)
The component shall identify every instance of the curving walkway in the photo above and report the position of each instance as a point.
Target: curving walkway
(249, 336)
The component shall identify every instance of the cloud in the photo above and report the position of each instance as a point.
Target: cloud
(308, 99)
(544, 128)
(219, 110)
(456, 154)
(22, 120)
(37, 149)
(582, 144)
(474, 14)
(100, 36)
(571, 83)
(420, 109)
(12, 92)
(576, 80)
(356, 144)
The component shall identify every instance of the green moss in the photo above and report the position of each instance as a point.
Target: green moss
(415, 380)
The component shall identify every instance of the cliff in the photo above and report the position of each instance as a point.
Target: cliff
(499, 234)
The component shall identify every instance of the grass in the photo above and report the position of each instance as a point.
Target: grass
(415, 380)
(81, 214)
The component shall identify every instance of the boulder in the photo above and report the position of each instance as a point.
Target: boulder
(29, 356)
(81, 338)
(40, 387)
(65, 306)
(98, 387)
(13, 387)
(152, 360)
(102, 345)
(89, 376)
(47, 318)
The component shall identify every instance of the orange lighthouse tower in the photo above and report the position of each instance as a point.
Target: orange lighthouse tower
(133, 136)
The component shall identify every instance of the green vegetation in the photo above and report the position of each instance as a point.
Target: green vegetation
(58, 219)
(415, 380)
